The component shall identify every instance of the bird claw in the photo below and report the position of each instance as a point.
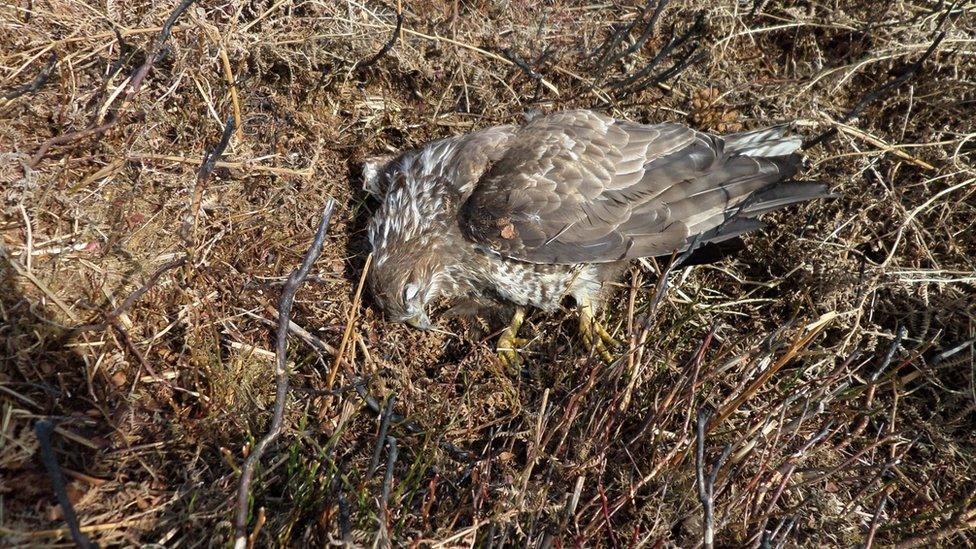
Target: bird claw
(595, 337)
(509, 343)
(508, 351)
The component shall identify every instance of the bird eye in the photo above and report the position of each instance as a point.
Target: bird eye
(410, 292)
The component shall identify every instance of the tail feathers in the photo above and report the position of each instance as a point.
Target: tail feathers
(780, 195)
(740, 219)
(765, 142)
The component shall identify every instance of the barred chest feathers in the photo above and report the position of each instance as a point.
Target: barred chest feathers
(540, 286)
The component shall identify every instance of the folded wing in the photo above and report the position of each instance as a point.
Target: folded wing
(580, 187)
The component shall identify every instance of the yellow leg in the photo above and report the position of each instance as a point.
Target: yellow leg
(509, 342)
(595, 337)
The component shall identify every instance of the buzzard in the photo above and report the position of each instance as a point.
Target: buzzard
(556, 207)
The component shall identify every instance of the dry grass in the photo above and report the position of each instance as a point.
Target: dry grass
(786, 343)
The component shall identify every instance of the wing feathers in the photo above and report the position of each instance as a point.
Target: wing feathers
(579, 187)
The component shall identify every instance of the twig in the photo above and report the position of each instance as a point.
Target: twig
(245, 165)
(608, 56)
(876, 93)
(383, 529)
(135, 84)
(133, 297)
(965, 521)
(517, 60)
(696, 29)
(706, 485)
(43, 430)
(281, 374)
(350, 324)
(361, 65)
(35, 84)
(384, 427)
(131, 346)
(203, 176)
(605, 510)
(388, 476)
(869, 541)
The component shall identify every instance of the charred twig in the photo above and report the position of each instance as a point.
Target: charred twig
(456, 453)
(890, 355)
(517, 60)
(361, 65)
(768, 537)
(648, 29)
(696, 29)
(873, 95)
(135, 84)
(281, 374)
(35, 84)
(706, 485)
(384, 427)
(607, 51)
(672, 71)
(388, 476)
(345, 524)
(383, 530)
(43, 430)
(203, 176)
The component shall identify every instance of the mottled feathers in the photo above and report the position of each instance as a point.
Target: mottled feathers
(529, 214)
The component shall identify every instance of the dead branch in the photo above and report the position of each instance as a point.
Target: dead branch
(769, 536)
(963, 521)
(607, 49)
(388, 477)
(384, 427)
(43, 430)
(706, 485)
(281, 373)
(873, 95)
(135, 84)
(34, 85)
(517, 60)
(203, 177)
(696, 29)
(362, 65)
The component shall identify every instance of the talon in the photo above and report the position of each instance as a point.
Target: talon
(595, 337)
(509, 342)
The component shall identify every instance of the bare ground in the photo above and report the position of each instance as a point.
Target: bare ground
(838, 432)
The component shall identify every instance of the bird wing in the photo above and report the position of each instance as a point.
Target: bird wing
(580, 187)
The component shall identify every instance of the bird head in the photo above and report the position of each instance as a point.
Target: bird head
(404, 284)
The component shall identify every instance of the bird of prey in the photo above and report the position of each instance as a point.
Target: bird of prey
(558, 206)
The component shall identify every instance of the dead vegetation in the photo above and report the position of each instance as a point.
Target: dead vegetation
(831, 363)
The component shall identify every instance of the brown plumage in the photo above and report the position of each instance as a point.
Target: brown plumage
(558, 206)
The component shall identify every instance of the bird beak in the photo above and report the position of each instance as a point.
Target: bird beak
(421, 322)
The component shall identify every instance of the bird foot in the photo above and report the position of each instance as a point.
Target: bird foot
(595, 337)
(509, 343)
